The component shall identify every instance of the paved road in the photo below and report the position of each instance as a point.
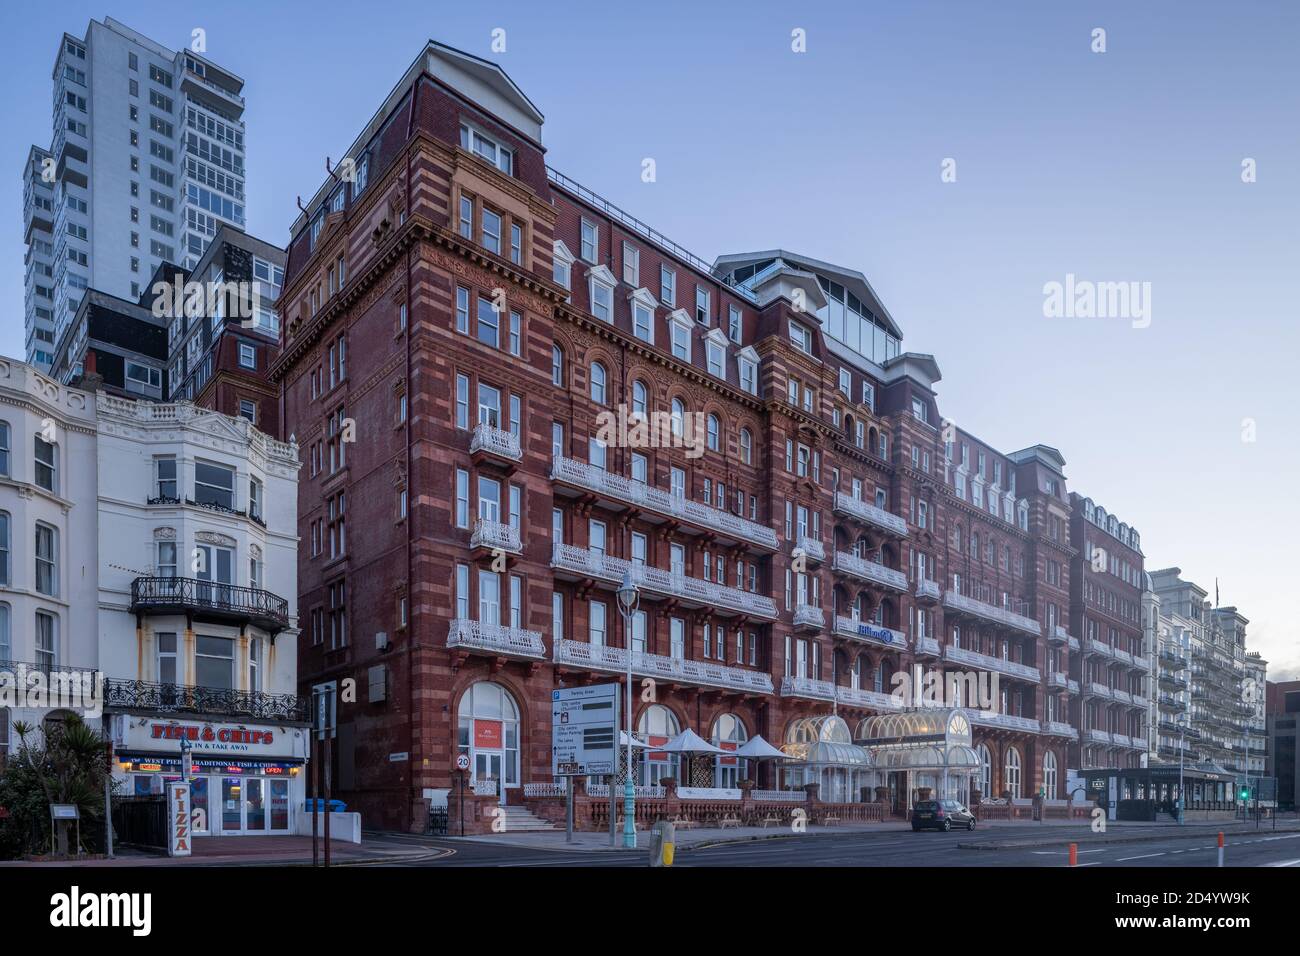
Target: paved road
(902, 848)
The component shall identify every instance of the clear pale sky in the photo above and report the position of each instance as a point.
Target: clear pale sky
(1119, 166)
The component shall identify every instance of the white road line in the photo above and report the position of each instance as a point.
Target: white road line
(1284, 863)
(1144, 856)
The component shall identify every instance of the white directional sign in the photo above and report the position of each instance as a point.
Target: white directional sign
(584, 730)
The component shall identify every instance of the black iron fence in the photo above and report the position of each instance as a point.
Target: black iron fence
(184, 699)
(231, 600)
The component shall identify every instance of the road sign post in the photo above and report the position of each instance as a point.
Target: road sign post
(584, 740)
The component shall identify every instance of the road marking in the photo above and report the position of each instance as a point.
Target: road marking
(1284, 863)
(1144, 856)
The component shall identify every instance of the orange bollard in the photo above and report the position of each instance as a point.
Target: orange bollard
(1074, 854)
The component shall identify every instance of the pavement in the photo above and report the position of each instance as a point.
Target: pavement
(893, 844)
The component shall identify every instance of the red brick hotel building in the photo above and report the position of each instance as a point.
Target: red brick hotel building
(457, 317)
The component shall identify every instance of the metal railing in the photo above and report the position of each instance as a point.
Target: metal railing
(868, 570)
(495, 441)
(494, 534)
(807, 687)
(189, 699)
(928, 589)
(496, 638)
(1005, 721)
(670, 583)
(649, 498)
(702, 673)
(811, 547)
(991, 612)
(181, 594)
(879, 517)
(1012, 668)
(807, 615)
(856, 697)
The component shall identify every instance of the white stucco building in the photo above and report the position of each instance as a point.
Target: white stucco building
(197, 610)
(48, 572)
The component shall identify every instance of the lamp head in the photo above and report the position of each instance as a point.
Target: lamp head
(627, 592)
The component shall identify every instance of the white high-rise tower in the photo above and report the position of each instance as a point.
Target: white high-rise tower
(145, 163)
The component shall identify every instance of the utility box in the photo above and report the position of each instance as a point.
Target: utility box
(663, 836)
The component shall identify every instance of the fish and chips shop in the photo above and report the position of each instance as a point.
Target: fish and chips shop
(245, 779)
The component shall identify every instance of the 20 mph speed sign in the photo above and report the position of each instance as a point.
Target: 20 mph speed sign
(462, 761)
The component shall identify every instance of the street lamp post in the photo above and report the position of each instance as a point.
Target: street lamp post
(1182, 803)
(629, 598)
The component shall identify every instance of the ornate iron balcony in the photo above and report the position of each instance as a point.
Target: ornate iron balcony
(230, 602)
(870, 514)
(870, 571)
(206, 701)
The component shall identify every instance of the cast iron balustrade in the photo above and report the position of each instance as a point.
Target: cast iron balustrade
(813, 549)
(494, 535)
(1098, 736)
(807, 687)
(496, 638)
(495, 441)
(674, 669)
(1057, 634)
(1059, 728)
(870, 571)
(212, 599)
(928, 590)
(927, 646)
(986, 718)
(163, 500)
(595, 564)
(878, 517)
(990, 612)
(210, 701)
(808, 615)
(960, 655)
(648, 498)
(856, 697)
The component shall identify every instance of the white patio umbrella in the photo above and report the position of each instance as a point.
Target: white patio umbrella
(756, 748)
(690, 744)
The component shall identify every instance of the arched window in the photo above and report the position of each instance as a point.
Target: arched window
(746, 446)
(557, 365)
(639, 397)
(1049, 775)
(678, 417)
(986, 768)
(598, 383)
(713, 432)
(1011, 774)
(729, 733)
(488, 733)
(657, 725)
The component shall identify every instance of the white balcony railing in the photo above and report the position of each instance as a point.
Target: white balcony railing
(1073, 642)
(867, 631)
(869, 571)
(959, 655)
(855, 697)
(807, 687)
(495, 441)
(1072, 686)
(644, 496)
(496, 638)
(1122, 740)
(847, 504)
(928, 589)
(1098, 736)
(676, 669)
(1123, 655)
(669, 583)
(1057, 634)
(806, 615)
(1005, 721)
(927, 645)
(1056, 679)
(1058, 728)
(1099, 689)
(494, 534)
(1099, 647)
(991, 612)
(814, 549)
(1122, 695)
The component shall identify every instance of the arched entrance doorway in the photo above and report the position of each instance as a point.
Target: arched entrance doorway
(488, 733)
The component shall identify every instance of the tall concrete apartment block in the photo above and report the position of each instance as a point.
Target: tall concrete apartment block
(145, 163)
(1210, 687)
(460, 320)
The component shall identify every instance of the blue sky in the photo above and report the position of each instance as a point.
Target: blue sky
(1119, 166)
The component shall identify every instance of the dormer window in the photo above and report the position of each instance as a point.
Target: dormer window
(486, 147)
(643, 315)
(680, 326)
(602, 283)
(801, 337)
(717, 360)
(562, 264)
(747, 364)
